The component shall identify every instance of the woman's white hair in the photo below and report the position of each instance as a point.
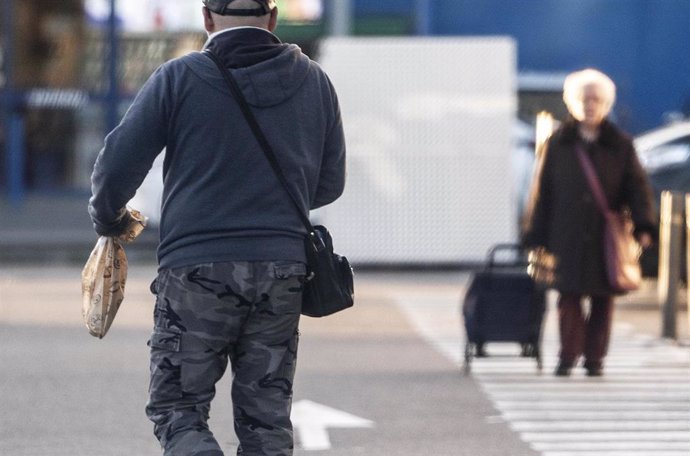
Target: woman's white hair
(575, 83)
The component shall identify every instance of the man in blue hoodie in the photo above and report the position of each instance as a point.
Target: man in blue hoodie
(231, 250)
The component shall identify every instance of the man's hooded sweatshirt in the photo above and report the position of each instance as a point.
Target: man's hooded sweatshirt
(221, 199)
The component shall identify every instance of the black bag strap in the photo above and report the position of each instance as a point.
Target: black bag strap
(260, 137)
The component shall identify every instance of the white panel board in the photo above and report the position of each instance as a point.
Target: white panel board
(428, 123)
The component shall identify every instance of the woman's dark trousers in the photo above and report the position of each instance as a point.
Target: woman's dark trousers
(582, 334)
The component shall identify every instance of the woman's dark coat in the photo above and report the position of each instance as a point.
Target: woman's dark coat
(562, 214)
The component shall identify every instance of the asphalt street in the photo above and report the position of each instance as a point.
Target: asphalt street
(382, 378)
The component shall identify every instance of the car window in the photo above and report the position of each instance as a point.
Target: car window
(669, 154)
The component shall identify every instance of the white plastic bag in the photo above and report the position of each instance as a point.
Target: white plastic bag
(104, 276)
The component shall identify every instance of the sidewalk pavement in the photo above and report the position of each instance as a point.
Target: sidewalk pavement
(641, 309)
(54, 230)
(87, 395)
(50, 229)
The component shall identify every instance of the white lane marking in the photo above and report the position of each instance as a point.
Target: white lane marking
(444, 333)
(312, 420)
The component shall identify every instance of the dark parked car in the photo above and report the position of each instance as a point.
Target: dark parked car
(665, 154)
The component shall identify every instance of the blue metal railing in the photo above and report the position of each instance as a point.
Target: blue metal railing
(423, 17)
(113, 96)
(13, 121)
(13, 102)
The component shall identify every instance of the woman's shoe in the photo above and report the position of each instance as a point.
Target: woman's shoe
(595, 371)
(563, 369)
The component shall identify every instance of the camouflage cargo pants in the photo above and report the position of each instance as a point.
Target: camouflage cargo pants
(244, 312)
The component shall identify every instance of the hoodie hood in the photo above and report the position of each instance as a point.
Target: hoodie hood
(267, 70)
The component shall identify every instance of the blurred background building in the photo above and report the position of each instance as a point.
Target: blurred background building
(70, 68)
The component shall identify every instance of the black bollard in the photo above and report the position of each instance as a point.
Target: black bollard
(670, 245)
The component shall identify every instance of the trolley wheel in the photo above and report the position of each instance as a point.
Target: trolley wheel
(469, 353)
(480, 350)
(529, 350)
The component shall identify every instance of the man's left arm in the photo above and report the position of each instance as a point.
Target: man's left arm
(332, 175)
(128, 155)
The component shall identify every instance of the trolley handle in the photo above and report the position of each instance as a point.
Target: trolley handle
(506, 247)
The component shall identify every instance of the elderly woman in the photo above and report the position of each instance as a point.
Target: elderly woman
(563, 216)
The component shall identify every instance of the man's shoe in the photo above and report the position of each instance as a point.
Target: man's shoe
(563, 369)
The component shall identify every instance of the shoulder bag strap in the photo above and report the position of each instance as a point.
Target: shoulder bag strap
(592, 179)
(258, 133)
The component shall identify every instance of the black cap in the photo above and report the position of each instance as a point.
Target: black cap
(221, 7)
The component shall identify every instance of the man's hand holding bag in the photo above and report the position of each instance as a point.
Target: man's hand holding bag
(104, 276)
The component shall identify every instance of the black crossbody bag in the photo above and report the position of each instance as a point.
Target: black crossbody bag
(329, 285)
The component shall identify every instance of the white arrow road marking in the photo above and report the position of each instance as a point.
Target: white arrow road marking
(311, 421)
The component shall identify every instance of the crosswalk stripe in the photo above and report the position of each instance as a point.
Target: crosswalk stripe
(600, 426)
(611, 364)
(657, 445)
(480, 367)
(641, 407)
(537, 380)
(590, 405)
(636, 436)
(564, 415)
(617, 453)
(661, 396)
(582, 386)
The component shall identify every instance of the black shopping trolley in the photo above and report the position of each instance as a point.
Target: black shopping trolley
(503, 304)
